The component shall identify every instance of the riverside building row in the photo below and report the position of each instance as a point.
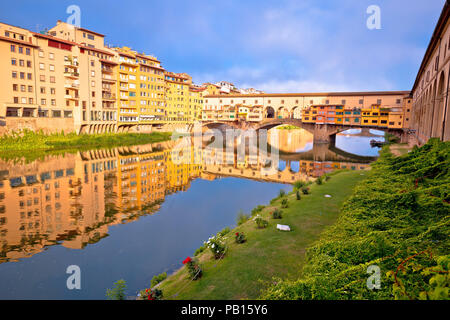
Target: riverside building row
(68, 79)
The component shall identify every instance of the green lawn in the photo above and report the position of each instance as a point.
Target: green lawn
(247, 268)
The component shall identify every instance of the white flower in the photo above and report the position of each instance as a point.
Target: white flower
(212, 246)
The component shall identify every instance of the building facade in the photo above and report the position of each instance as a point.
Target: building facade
(430, 116)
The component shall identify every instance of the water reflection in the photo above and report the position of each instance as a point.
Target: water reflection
(75, 200)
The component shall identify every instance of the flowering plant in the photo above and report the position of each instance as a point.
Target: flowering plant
(217, 246)
(240, 237)
(261, 223)
(193, 268)
(151, 294)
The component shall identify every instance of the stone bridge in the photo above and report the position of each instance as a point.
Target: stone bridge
(323, 133)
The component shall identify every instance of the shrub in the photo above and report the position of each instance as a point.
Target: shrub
(257, 209)
(299, 184)
(282, 193)
(157, 279)
(261, 223)
(319, 180)
(217, 246)
(118, 291)
(240, 237)
(242, 218)
(277, 214)
(199, 250)
(151, 294)
(305, 190)
(284, 203)
(298, 195)
(223, 232)
(327, 177)
(194, 269)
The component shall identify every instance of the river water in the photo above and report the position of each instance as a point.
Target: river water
(133, 212)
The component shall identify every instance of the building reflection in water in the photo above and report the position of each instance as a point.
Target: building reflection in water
(71, 200)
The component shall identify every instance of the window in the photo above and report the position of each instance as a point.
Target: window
(28, 63)
(30, 100)
(29, 76)
(20, 49)
(13, 62)
(15, 87)
(327, 101)
(43, 102)
(361, 101)
(52, 90)
(21, 63)
(42, 78)
(52, 79)
(23, 88)
(56, 113)
(41, 53)
(378, 101)
(14, 74)
(51, 56)
(53, 102)
(343, 101)
(30, 88)
(22, 75)
(42, 90)
(52, 67)
(13, 48)
(41, 66)
(27, 51)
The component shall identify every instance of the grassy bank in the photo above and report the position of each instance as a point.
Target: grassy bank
(37, 141)
(248, 268)
(398, 219)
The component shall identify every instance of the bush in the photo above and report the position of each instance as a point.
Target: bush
(299, 184)
(257, 210)
(282, 193)
(194, 269)
(284, 203)
(327, 177)
(217, 246)
(199, 250)
(298, 195)
(223, 232)
(118, 291)
(240, 237)
(319, 181)
(242, 218)
(261, 223)
(276, 214)
(305, 190)
(151, 294)
(157, 279)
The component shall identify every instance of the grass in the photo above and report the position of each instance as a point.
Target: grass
(37, 144)
(250, 267)
(288, 127)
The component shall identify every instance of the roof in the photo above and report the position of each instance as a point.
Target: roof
(314, 94)
(25, 43)
(435, 38)
(45, 36)
(90, 31)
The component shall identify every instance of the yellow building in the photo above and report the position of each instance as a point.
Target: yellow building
(177, 97)
(196, 102)
(370, 116)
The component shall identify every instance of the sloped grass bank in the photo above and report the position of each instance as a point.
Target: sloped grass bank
(397, 219)
(249, 267)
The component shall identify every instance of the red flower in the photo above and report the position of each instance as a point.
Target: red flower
(237, 233)
(187, 260)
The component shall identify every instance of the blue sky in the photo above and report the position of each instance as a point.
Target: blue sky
(276, 46)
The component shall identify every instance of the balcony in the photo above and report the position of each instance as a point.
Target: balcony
(108, 78)
(71, 64)
(73, 85)
(107, 70)
(73, 75)
(108, 96)
(71, 97)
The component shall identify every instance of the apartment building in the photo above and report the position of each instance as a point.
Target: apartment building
(177, 97)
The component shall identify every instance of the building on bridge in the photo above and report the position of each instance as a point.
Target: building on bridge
(297, 105)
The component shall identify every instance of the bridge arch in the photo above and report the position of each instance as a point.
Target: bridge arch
(282, 113)
(269, 112)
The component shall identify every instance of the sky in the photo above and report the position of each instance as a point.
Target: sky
(275, 46)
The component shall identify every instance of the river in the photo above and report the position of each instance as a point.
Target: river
(133, 212)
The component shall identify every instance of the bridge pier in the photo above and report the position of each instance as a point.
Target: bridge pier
(324, 134)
